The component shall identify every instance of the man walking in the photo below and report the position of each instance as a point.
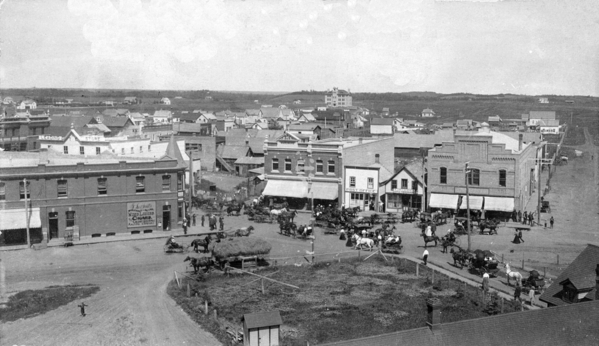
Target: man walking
(193, 218)
(551, 221)
(203, 220)
(517, 293)
(531, 218)
(184, 226)
(82, 307)
(524, 217)
(221, 221)
(531, 295)
(425, 256)
(519, 216)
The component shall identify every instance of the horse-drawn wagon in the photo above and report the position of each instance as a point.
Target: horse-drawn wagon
(392, 244)
(171, 246)
(483, 261)
(242, 253)
(534, 282)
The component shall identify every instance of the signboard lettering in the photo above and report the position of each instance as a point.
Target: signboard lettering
(141, 214)
(351, 189)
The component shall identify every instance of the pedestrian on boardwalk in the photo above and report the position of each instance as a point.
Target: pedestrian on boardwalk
(525, 217)
(517, 293)
(82, 307)
(425, 256)
(203, 220)
(514, 216)
(193, 218)
(184, 226)
(519, 216)
(551, 221)
(221, 221)
(531, 295)
(486, 282)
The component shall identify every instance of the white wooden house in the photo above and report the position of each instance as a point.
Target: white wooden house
(262, 328)
(404, 189)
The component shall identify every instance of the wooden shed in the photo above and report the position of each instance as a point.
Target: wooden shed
(262, 328)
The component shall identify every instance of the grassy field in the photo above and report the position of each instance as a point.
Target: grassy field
(337, 301)
(30, 303)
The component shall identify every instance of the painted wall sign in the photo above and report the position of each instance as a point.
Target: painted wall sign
(141, 214)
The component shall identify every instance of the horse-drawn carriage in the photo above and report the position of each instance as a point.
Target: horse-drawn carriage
(545, 208)
(534, 282)
(483, 261)
(409, 215)
(243, 253)
(392, 244)
(488, 226)
(171, 246)
(461, 225)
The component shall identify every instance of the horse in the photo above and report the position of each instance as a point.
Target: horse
(512, 275)
(277, 212)
(430, 239)
(491, 225)
(287, 227)
(197, 263)
(234, 208)
(459, 256)
(363, 241)
(196, 243)
(448, 240)
(244, 232)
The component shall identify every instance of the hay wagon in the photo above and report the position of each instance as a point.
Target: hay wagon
(242, 253)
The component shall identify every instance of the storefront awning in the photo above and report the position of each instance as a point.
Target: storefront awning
(443, 201)
(329, 191)
(286, 188)
(16, 219)
(499, 204)
(476, 202)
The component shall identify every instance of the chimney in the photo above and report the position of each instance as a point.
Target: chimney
(597, 282)
(520, 136)
(434, 314)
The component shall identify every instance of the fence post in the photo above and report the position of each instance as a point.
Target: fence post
(417, 267)
(206, 306)
(502, 304)
(215, 314)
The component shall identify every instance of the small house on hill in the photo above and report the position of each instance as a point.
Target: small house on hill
(382, 126)
(427, 113)
(262, 328)
(577, 283)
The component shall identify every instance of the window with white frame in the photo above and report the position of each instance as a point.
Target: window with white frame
(371, 183)
(352, 181)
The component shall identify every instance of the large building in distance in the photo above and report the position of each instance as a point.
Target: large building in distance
(338, 98)
(88, 195)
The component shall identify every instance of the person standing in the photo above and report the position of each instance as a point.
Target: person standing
(531, 218)
(531, 295)
(551, 221)
(425, 256)
(524, 217)
(519, 216)
(486, 282)
(184, 226)
(517, 293)
(203, 220)
(221, 221)
(82, 307)
(193, 218)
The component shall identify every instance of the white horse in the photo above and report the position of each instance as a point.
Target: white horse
(513, 275)
(277, 212)
(363, 241)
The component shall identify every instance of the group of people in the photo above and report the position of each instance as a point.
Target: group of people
(526, 218)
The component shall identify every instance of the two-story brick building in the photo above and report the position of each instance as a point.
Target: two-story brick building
(95, 195)
(502, 174)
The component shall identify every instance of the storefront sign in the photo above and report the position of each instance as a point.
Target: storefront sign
(141, 214)
(351, 189)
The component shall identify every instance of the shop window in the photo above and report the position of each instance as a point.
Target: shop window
(62, 186)
(140, 184)
(443, 175)
(371, 183)
(82, 150)
(352, 181)
(166, 182)
(102, 186)
(97, 150)
(473, 177)
(502, 177)
(287, 165)
(394, 184)
(275, 165)
(2, 191)
(331, 166)
(22, 190)
(404, 183)
(70, 218)
(319, 166)
(65, 149)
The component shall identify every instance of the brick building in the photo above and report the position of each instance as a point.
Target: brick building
(20, 134)
(503, 172)
(93, 196)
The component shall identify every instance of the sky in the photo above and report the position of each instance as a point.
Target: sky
(487, 47)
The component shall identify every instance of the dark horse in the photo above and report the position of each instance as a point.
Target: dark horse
(459, 257)
(490, 224)
(197, 263)
(196, 243)
(431, 239)
(234, 209)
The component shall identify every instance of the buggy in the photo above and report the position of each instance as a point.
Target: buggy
(534, 282)
(483, 262)
(461, 225)
(545, 208)
(393, 246)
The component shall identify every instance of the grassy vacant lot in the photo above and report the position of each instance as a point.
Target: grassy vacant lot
(337, 301)
(30, 303)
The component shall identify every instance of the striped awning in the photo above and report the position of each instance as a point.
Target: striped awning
(499, 204)
(476, 202)
(17, 218)
(286, 188)
(328, 191)
(443, 201)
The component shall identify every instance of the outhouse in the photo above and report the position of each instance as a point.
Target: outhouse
(262, 328)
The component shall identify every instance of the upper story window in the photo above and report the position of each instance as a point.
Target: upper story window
(140, 184)
(502, 177)
(404, 183)
(122, 151)
(275, 164)
(287, 165)
(102, 186)
(82, 150)
(62, 187)
(331, 166)
(166, 182)
(352, 181)
(371, 183)
(179, 182)
(2, 191)
(97, 150)
(22, 193)
(319, 166)
(473, 177)
(394, 184)
(65, 149)
(443, 175)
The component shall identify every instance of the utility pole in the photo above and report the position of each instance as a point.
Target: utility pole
(26, 213)
(468, 206)
(190, 180)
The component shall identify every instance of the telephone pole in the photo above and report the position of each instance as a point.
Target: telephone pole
(26, 213)
(468, 206)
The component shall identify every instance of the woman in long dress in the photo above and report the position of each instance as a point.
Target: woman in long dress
(516, 238)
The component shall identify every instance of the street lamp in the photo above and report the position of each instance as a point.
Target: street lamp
(468, 172)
